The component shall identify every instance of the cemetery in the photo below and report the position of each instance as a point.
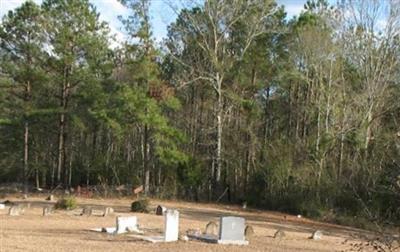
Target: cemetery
(199, 125)
(33, 223)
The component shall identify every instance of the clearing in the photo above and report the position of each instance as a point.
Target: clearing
(67, 231)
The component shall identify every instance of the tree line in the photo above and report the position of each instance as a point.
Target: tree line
(238, 103)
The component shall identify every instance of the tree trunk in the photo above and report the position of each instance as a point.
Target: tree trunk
(62, 128)
(219, 131)
(146, 171)
(26, 156)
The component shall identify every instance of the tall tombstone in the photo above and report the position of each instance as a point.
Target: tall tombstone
(171, 227)
(126, 223)
(232, 229)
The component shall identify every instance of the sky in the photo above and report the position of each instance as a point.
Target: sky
(161, 13)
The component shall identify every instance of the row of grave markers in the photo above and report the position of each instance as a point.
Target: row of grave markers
(232, 229)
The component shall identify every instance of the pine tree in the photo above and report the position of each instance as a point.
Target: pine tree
(22, 54)
(78, 41)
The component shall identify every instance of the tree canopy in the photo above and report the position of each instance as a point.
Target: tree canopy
(238, 103)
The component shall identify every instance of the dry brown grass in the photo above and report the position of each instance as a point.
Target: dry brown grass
(67, 231)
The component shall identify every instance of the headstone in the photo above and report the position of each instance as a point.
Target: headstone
(160, 210)
(231, 229)
(279, 234)
(51, 197)
(211, 228)
(47, 210)
(126, 223)
(317, 235)
(14, 211)
(87, 211)
(25, 196)
(2, 206)
(107, 211)
(171, 227)
(248, 231)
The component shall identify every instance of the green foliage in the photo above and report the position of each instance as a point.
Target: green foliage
(140, 206)
(66, 203)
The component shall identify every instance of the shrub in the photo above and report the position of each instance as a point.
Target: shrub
(67, 203)
(141, 206)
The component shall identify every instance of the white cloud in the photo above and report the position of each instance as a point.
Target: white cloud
(293, 9)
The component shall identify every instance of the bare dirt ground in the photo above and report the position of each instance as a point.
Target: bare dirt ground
(67, 231)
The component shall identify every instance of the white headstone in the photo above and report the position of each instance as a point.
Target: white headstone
(124, 224)
(171, 228)
(2, 206)
(232, 229)
(317, 235)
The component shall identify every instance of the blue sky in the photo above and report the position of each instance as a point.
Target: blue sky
(161, 13)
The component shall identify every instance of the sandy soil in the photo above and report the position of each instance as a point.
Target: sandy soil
(67, 231)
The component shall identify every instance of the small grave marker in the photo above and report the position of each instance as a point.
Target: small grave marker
(87, 211)
(279, 234)
(212, 228)
(47, 210)
(160, 210)
(107, 211)
(248, 232)
(317, 235)
(126, 223)
(14, 211)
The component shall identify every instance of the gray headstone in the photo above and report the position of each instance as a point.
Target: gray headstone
(232, 228)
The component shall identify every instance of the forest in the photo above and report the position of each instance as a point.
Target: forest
(238, 103)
